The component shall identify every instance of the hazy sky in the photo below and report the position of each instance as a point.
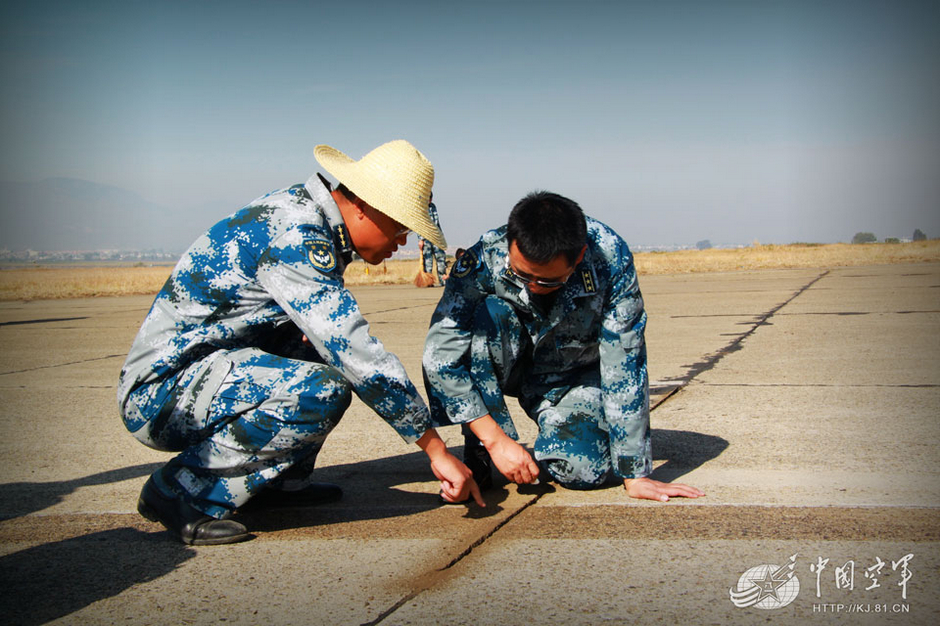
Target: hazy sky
(671, 121)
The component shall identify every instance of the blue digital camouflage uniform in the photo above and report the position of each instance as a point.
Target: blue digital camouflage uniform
(219, 370)
(577, 368)
(431, 253)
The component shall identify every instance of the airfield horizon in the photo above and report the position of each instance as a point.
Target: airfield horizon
(56, 281)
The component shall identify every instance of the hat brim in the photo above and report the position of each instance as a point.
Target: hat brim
(366, 179)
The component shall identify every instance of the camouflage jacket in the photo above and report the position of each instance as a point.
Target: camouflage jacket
(593, 333)
(275, 265)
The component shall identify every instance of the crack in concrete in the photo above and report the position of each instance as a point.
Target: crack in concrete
(46, 367)
(710, 361)
(680, 317)
(401, 308)
(90, 387)
(492, 532)
(43, 321)
(433, 578)
(825, 385)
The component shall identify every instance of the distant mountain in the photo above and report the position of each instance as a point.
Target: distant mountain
(72, 214)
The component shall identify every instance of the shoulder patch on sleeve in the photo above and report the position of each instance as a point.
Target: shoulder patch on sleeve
(320, 254)
(467, 262)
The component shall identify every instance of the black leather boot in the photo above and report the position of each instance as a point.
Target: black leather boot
(477, 459)
(189, 525)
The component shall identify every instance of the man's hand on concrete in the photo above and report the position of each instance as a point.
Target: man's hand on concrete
(509, 457)
(457, 484)
(513, 461)
(649, 489)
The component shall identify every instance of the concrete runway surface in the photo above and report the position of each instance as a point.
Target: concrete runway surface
(805, 403)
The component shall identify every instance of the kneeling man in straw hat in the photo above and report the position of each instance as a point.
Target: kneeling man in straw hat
(252, 350)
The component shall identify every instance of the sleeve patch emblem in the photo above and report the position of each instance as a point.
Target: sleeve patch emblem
(465, 264)
(320, 254)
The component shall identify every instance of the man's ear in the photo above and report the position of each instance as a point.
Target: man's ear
(581, 256)
(346, 207)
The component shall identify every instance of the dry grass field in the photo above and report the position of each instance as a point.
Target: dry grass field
(787, 256)
(37, 283)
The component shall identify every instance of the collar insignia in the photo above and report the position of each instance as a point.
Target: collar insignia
(588, 281)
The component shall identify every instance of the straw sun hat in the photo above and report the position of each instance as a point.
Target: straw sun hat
(395, 179)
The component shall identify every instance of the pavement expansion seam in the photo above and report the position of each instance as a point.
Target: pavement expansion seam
(492, 532)
(400, 308)
(46, 367)
(433, 579)
(824, 385)
(710, 361)
(43, 321)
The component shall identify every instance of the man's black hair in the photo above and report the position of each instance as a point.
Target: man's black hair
(343, 189)
(544, 225)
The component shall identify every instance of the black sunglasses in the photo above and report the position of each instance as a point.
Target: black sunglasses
(551, 284)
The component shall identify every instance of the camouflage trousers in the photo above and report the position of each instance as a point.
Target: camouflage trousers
(573, 444)
(431, 253)
(242, 420)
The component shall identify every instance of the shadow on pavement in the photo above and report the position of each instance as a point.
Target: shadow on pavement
(18, 499)
(372, 490)
(53, 580)
(683, 451)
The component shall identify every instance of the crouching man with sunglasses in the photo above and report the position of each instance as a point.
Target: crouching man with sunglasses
(547, 309)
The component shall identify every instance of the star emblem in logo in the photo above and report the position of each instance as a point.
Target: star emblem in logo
(770, 582)
(766, 586)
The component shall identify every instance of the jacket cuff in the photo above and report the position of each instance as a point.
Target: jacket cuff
(465, 408)
(412, 429)
(633, 466)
